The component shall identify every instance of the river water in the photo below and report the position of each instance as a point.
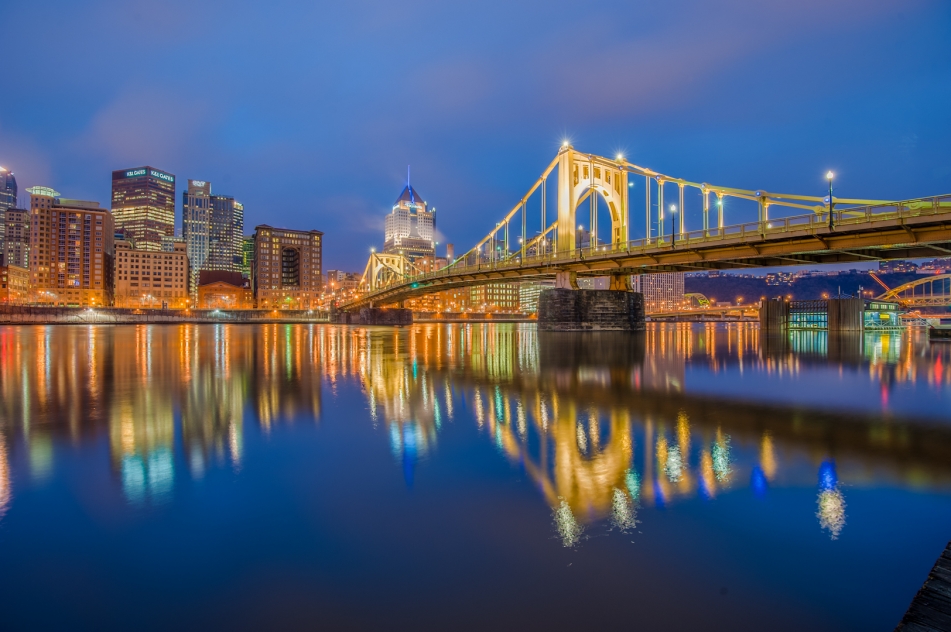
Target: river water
(468, 476)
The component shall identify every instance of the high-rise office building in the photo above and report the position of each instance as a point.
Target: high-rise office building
(17, 245)
(143, 204)
(71, 253)
(287, 268)
(225, 234)
(8, 199)
(196, 212)
(662, 292)
(247, 256)
(410, 228)
(213, 230)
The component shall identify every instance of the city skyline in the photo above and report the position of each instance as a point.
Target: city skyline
(705, 92)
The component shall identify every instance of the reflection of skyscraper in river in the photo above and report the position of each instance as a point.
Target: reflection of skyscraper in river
(599, 421)
(145, 385)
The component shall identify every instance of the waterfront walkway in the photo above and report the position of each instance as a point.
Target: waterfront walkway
(34, 315)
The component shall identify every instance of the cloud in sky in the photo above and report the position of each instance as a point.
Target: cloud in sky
(308, 112)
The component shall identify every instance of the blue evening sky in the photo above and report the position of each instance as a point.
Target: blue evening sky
(309, 112)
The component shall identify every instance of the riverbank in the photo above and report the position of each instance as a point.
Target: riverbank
(30, 315)
(23, 315)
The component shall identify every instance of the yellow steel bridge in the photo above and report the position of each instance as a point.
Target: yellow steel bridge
(821, 230)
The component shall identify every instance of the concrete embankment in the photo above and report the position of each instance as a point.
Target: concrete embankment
(23, 315)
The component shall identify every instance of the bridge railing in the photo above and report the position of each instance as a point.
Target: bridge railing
(811, 223)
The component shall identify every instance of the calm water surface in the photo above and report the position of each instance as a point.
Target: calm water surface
(467, 477)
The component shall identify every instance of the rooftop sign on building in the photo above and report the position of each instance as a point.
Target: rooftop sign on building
(143, 171)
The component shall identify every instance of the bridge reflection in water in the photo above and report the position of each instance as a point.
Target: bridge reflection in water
(602, 423)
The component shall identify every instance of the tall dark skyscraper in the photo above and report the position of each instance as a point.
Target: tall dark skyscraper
(143, 204)
(213, 229)
(8, 199)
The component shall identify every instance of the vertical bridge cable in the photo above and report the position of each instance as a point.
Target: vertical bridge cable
(706, 211)
(593, 205)
(507, 251)
(524, 220)
(647, 207)
(544, 190)
(680, 219)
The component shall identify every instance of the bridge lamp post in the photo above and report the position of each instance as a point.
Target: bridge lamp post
(673, 230)
(829, 177)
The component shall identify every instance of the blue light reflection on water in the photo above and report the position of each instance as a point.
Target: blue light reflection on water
(213, 470)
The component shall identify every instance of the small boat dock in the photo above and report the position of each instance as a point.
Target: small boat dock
(930, 610)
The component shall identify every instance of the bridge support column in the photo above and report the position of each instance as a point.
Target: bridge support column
(621, 282)
(846, 314)
(774, 315)
(566, 280)
(563, 309)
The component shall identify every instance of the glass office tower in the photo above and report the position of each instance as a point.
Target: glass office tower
(143, 204)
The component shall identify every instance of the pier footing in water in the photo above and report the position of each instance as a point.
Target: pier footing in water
(374, 316)
(563, 309)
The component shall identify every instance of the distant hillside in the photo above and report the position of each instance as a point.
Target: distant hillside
(728, 288)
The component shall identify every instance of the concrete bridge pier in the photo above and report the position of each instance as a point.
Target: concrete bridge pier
(373, 316)
(567, 308)
(774, 315)
(566, 280)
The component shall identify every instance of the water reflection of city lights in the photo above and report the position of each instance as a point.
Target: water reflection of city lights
(674, 467)
(6, 492)
(831, 502)
(602, 426)
(624, 511)
(721, 458)
(567, 526)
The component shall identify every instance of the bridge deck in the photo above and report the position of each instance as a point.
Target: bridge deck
(910, 229)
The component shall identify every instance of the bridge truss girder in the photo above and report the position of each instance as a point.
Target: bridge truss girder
(892, 231)
(897, 239)
(905, 294)
(384, 269)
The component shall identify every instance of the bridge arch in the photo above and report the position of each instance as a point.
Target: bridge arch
(581, 176)
(906, 293)
(385, 269)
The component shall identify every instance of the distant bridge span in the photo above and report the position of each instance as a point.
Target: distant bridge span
(863, 230)
(929, 291)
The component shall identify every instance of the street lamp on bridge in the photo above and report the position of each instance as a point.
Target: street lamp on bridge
(829, 176)
(673, 233)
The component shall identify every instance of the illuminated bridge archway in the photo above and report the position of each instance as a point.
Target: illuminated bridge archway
(821, 231)
(924, 292)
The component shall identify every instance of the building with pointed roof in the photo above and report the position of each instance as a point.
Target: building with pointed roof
(410, 228)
